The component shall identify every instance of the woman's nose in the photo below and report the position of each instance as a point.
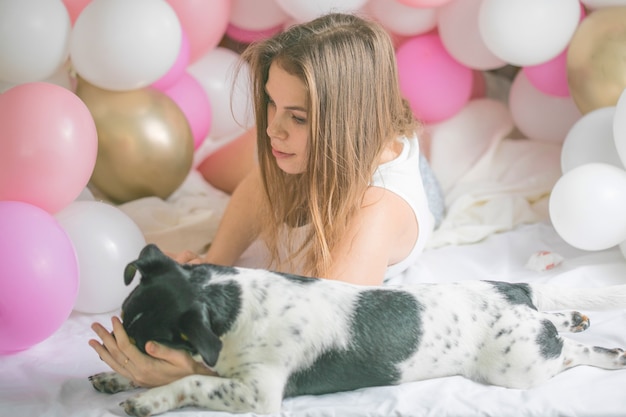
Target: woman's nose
(275, 127)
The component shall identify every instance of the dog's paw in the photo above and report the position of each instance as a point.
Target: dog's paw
(110, 382)
(145, 404)
(580, 322)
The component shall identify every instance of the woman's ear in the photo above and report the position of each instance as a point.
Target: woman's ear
(195, 327)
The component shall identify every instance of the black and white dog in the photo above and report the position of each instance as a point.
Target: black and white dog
(270, 335)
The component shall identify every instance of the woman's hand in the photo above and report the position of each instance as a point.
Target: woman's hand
(186, 257)
(164, 365)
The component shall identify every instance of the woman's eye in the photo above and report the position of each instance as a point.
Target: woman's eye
(299, 120)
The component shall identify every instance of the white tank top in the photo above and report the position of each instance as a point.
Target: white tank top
(400, 176)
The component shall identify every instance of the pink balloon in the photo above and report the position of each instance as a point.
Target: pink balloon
(38, 276)
(424, 3)
(538, 115)
(551, 76)
(193, 101)
(178, 69)
(74, 7)
(203, 21)
(458, 28)
(48, 145)
(248, 36)
(435, 84)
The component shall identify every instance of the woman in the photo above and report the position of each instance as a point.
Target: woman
(337, 192)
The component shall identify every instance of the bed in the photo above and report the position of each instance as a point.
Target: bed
(497, 193)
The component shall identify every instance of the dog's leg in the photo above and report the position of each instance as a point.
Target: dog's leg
(208, 392)
(111, 382)
(575, 354)
(572, 321)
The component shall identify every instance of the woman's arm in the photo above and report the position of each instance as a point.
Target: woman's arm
(239, 226)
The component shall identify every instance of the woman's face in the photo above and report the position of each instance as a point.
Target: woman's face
(287, 119)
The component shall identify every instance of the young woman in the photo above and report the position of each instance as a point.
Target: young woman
(337, 191)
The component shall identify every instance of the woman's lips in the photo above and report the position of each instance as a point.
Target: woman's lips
(279, 154)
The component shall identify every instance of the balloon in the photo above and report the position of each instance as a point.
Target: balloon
(123, 45)
(619, 127)
(528, 32)
(459, 32)
(596, 70)
(106, 240)
(34, 38)
(591, 140)
(192, 100)
(203, 21)
(434, 83)
(230, 99)
(305, 10)
(424, 3)
(551, 76)
(538, 115)
(145, 143)
(257, 15)
(587, 206)
(75, 8)
(48, 145)
(248, 36)
(465, 137)
(401, 19)
(178, 69)
(38, 276)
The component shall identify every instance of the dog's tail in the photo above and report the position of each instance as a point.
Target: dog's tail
(550, 297)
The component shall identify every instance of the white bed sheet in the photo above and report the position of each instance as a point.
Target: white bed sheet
(50, 379)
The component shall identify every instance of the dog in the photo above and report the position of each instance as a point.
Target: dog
(272, 335)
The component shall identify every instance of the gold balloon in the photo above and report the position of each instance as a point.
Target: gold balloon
(596, 59)
(145, 144)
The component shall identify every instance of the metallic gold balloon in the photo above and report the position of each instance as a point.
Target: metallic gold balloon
(596, 59)
(145, 145)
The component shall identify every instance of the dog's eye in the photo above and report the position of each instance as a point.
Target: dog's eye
(184, 337)
(132, 341)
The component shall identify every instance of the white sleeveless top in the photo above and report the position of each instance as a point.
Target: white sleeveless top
(400, 176)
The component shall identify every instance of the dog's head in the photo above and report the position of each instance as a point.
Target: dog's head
(165, 307)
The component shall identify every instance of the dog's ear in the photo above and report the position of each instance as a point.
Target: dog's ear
(195, 327)
(149, 255)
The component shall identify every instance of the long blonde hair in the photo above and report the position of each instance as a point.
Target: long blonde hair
(348, 66)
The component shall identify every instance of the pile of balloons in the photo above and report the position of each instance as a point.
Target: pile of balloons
(59, 250)
(120, 94)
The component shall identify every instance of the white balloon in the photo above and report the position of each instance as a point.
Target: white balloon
(215, 72)
(528, 32)
(257, 15)
(619, 127)
(587, 206)
(124, 45)
(106, 240)
(34, 39)
(591, 140)
(538, 115)
(305, 10)
(401, 19)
